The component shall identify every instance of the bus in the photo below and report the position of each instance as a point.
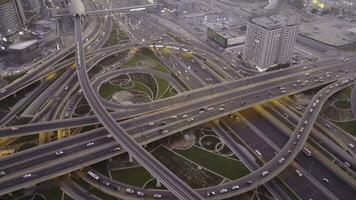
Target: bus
(307, 151)
(93, 175)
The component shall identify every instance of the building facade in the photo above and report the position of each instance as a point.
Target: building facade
(225, 36)
(270, 41)
(31, 6)
(10, 20)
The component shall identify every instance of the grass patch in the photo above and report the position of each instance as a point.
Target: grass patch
(53, 193)
(101, 167)
(186, 170)
(162, 85)
(116, 36)
(349, 126)
(136, 176)
(107, 89)
(169, 93)
(226, 167)
(343, 104)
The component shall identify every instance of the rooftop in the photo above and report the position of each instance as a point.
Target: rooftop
(22, 45)
(225, 30)
(275, 21)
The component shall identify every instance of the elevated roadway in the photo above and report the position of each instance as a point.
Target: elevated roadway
(170, 180)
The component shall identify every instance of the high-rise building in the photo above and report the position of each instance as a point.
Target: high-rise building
(270, 41)
(10, 20)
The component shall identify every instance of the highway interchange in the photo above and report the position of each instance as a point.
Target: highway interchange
(210, 96)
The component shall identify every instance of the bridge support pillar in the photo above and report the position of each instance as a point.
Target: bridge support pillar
(61, 133)
(158, 183)
(130, 158)
(44, 137)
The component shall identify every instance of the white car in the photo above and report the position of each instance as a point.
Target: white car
(151, 123)
(90, 144)
(298, 173)
(265, 173)
(27, 176)
(157, 196)
(223, 190)
(209, 194)
(281, 160)
(235, 187)
(59, 153)
(140, 194)
(129, 190)
(326, 180)
(164, 131)
(2, 173)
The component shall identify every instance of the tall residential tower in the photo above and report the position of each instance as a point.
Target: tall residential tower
(10, 19)
(270, 41)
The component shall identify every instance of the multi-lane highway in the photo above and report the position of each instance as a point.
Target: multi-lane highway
(244, 91)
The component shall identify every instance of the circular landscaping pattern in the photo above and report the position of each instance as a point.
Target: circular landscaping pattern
(140, 98)
(127, 84)
(173, 91)
(207, 131)
(224, 150)
(118, 81)
(219, 146)
(209, 142)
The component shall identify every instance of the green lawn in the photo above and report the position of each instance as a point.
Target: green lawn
(136, 176)
(349, 127)
(53, 193)
(108, 89)
(343, 104)
(162, 85)
(168, 93)
(226, 167)
(101, 167)
(143, 88)
(116, 36)
(186, 170)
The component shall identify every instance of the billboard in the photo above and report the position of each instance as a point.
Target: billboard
(212, 35)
